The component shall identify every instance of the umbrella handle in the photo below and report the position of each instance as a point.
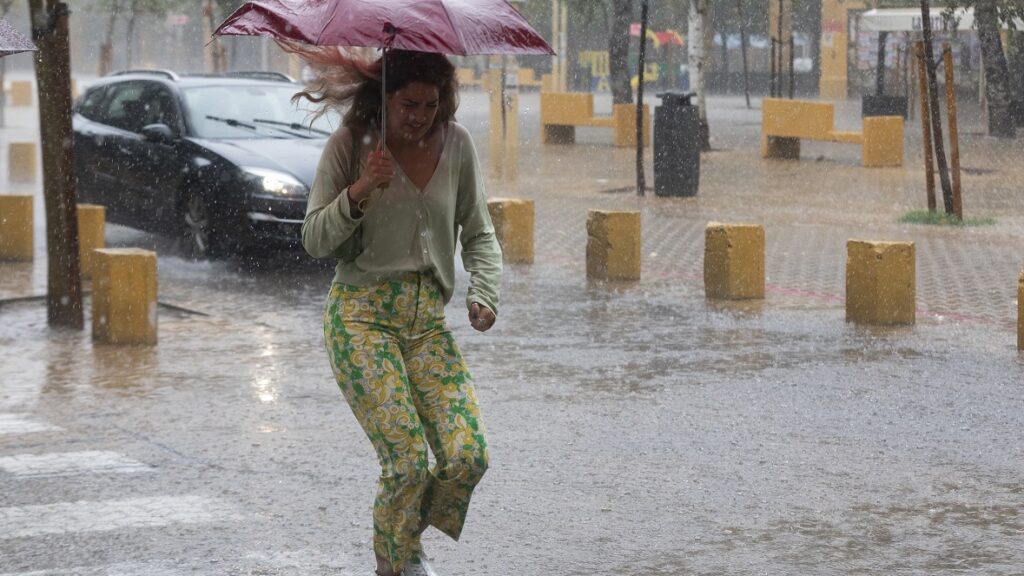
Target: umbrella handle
(391, 31)
(383, 98)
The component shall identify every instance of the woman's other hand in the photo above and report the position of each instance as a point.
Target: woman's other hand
(481, 317)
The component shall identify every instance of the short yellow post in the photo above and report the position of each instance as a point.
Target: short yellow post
(124, 288)
(16, 228)
(91, 235)
(613, 245)
(21, 162)
(883, 141)
(1020, 312)
(21, 93)
(513, 225)
(734, 261)
(880, 282)
(625, 125)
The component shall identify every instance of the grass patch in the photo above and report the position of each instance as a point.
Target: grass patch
(943, 219)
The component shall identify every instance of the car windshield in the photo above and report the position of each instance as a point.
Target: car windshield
(258, 111)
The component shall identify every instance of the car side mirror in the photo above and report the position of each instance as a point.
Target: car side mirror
(160, 133)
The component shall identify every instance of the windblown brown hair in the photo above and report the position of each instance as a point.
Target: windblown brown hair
(351, 85)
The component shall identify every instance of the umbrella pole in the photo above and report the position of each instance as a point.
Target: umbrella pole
(383, 98)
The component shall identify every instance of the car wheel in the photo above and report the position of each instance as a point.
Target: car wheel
(197, 238)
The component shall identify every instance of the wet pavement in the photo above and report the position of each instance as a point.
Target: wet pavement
(635, 429)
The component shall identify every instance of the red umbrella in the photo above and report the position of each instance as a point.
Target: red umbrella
(461, 27)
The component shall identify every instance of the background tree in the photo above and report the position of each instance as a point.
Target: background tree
(933, 103)
(997, 73)
(696, 64)
(53, 85)
(112, 8)
(989, 15)
(618, 52)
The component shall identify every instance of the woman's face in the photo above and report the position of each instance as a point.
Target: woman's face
(411, 111)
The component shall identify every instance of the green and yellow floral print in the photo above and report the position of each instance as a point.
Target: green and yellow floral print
(404, 378)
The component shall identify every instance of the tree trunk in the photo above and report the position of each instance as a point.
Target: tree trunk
(105, 63)
(53, 79)
(743, 49)
(933, 102)
(131, 37)
(618, 52)
(997, 74)
(695, 65)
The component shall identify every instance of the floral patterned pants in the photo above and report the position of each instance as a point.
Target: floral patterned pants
(404, 378)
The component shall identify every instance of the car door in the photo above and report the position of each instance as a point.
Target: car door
(158, 165)
(112, 148)
(87, 125)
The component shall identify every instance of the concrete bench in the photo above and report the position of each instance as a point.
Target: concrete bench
(527, 78)
(562, 112)
(784, 123)
(467, 77)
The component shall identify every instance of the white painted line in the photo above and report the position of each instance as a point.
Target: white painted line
(71, 463)
(21, 424)
(19, 394)
(123, 569)
(263, 562)
(64, 517)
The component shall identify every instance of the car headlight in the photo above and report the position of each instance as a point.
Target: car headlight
(276, 183)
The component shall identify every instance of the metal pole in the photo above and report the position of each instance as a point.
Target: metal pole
(954, 138)
(555, 19)
(792, 75)
(771, 74)
(779, 52)
(563, 50)
(880, 65)
(926, 127)
(384, 99)
(640, 183)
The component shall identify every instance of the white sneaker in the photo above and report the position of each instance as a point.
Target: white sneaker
(418, 567)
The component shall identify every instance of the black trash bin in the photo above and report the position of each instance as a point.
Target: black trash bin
(676, 146)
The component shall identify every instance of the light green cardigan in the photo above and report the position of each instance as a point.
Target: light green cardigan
(405, 229)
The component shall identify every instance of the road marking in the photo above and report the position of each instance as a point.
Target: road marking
(64, 517)
(19, 394)
(70, 463)
(292, 562)
(20, 424)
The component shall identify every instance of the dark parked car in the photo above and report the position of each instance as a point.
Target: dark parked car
(222, 162)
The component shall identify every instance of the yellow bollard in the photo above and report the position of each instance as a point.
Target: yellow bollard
(21, 93)
(124, 288)
(883, 141)
(1020, 313)
(21, 162)
(613, 245)
(734, 261)
(16, 228)
(91, 235)
(513, 225)
(880, 282)
(624, 130)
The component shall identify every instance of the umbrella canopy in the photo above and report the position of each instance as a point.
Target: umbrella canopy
(460, 27)
(12, 41)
